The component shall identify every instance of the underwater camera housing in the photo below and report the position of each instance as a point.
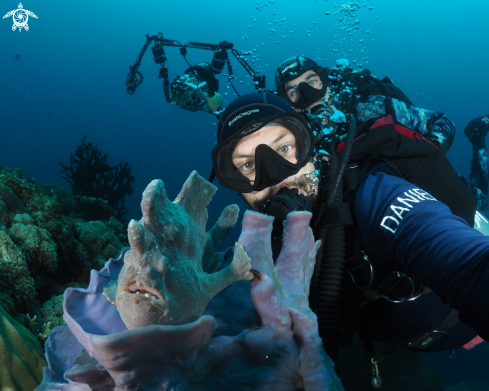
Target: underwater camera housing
(187, 90)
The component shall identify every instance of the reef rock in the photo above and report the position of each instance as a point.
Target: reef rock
(282, 350)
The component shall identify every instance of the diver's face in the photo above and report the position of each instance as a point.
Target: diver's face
(282, 141)
(311, 78)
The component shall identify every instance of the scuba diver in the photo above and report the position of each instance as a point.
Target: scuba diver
(400, 262)
(476, 131)
(325, 91)
(318, 93)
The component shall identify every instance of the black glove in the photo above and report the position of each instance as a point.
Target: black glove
(279, 206)
(286, 201)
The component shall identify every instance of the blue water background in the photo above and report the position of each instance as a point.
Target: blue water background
(74, 59)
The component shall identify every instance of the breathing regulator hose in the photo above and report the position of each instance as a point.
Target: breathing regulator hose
(328, 281)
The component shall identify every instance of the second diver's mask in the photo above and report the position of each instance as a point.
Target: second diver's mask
(270, 168)
(307, 95)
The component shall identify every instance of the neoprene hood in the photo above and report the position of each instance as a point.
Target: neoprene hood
(294, 67)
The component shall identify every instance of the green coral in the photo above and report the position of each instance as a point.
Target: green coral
(52, 311)
(15, 279)
(99, 239)
(35, 242)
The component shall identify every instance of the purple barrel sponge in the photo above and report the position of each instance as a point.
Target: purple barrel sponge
(284, 353)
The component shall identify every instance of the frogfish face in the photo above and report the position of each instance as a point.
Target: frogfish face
(141, 299)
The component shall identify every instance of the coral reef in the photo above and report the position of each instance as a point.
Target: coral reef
(281, 351)
(21, 356)
(90, 175)
(42, 251)
(35, 243)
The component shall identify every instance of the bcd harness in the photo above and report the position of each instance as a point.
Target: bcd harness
(346, 278)
(351, 86)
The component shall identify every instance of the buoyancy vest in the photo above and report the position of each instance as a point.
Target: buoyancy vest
(335, 297)
(351, 86)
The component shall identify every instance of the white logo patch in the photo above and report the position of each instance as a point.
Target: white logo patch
(290, 66)
(404, 205)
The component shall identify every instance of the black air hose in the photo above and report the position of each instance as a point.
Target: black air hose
(328, 279)
(344, 161)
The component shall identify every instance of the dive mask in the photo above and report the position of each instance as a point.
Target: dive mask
(269, 167)
(307, 95)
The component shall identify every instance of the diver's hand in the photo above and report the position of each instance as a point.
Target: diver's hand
(214, 103)
(286, 201)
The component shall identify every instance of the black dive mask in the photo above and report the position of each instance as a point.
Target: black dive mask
(271, 168)
(307, 95)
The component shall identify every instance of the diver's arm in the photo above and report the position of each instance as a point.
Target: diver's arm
(214, 103)
(402, 224)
